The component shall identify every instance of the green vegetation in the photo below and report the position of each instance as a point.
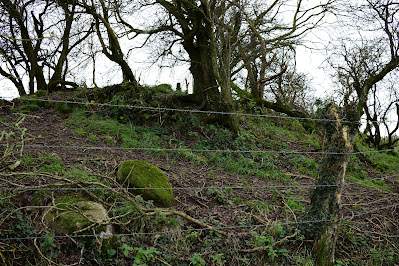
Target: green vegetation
(261, 192)
(72, 214)
(201, 136)
(145, 176)
(65, 108)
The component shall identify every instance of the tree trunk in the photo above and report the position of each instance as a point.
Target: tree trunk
(112, 50)
(41, 83)
(127, 72)
(225, 84)
(251, 74)
(205, 88)
(335, 137)
(36, 74)
(16, 80)
(57, 75)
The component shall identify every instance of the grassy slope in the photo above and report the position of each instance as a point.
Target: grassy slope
(216, 206)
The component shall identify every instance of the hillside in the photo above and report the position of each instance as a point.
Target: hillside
(239, 198)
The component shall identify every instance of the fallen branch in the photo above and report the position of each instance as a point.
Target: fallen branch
(188, 218)
(3, 258)
(118, 191)
(49, 261)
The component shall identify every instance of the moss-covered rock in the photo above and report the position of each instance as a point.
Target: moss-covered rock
(140, 174)
(72, 214)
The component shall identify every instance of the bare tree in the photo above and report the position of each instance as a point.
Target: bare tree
(207, 31)
(363, 67)
(360, 73)
(103, 13)
(382, 107)
(37, 37)
(382, 16)
(267, 41)
(221, 38)
(268, 30)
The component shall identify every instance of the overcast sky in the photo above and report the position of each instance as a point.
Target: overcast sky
(308, 62)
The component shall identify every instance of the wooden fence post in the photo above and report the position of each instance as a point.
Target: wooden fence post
(337, 131)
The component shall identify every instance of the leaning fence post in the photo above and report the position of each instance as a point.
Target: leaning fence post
(337, 129)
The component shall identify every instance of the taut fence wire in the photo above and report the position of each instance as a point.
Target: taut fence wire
(161, 109)
(19, 187)
(15, 187)
(347, 218)
(35, 146)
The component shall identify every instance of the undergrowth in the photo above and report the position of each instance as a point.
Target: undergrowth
(260, 156)
(170, 240)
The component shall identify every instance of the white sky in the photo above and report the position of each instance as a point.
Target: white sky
(308, 62)
(107, 73)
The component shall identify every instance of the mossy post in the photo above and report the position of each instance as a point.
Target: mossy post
(337, 130)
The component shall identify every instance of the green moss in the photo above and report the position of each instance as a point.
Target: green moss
(80, 132)
(111, 130)
(29, 107)
(70, 212)
(40, 93)
(32, 105)
(39, 197)
(46, 105)
(52, 164)
(140, 174)
(26, 160)
(165, 88)
(65, 108)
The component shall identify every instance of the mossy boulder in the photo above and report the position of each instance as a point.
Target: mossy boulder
(72, 214)
(140, 174)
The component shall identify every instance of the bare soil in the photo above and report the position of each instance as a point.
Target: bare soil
(369, 207)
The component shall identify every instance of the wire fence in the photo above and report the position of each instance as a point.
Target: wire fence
(219, 228)
(45, 146)
(162, 109)
(19, 187)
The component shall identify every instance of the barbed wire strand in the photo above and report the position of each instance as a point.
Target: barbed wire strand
(185, 110)
(198, 229)
(197, 150)
(33, 188)
(194, 150)
(197, 111)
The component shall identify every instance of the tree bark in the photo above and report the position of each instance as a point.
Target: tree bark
(336, 139)
(205, 89)
(112, 50)
(57, 75)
